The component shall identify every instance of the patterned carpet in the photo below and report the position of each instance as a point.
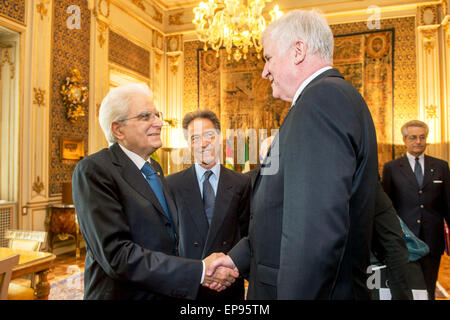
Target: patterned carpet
(67, 275)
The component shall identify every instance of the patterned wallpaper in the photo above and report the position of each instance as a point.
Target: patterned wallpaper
(405, 85)
(13, 9)
(70, 49)
(190, 81)
(129, 55)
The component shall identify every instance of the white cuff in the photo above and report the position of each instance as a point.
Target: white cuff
(203, 273)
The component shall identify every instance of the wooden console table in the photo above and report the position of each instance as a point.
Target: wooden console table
(32, 262)
(62, 222)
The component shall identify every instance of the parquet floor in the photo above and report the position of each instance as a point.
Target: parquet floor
(66, 264)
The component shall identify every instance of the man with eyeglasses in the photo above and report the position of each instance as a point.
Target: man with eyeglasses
(126, 214)
(213, 201)
(419, 187)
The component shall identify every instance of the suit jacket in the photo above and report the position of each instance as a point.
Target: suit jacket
(311, 219)
(228, 225)
(421, 208)
(389, 246)
(130, 244)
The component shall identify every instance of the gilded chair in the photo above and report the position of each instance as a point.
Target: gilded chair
(24, 240)
(6, 266)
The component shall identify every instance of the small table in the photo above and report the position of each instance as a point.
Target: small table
(32, 262)
(62, 222)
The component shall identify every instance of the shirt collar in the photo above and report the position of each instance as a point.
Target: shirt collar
(200, 171)
(307, 81)
(413, 158)
(137, 159)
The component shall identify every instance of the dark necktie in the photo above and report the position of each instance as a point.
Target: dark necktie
(418, 172)
(156, 185)
(209, 197)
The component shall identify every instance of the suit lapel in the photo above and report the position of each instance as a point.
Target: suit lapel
(428, 171)
(134, 177)
(193, 203)
(406, 170)
(169, 200)
(223, 200)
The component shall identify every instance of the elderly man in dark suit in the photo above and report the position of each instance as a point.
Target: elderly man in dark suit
(127, 217)
(419, 187)
(310, 217)
(213, 202)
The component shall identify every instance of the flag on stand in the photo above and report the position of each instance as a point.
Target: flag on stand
(229, 160)
(246, 165)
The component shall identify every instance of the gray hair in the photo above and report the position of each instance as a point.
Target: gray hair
(414, 123)
(310, 26)
(116, 104)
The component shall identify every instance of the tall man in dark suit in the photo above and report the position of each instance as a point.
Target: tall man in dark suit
(311, 219)
(206, 228)
(127, 217)
(419, 187)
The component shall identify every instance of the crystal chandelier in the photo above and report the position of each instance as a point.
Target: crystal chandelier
(232, 23)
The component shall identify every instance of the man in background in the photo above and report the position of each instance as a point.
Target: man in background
(419, 187)
(213, 202)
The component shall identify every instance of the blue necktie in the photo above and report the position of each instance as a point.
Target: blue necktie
(209, 198)
(156, 185)
(418, 172)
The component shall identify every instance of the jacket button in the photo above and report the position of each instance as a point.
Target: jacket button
(418, 221)
(421, 206)
(195, 244)
(224, 243)
(420, 191)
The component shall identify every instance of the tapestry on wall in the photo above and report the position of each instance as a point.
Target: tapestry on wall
(237, 93)
(365, 60)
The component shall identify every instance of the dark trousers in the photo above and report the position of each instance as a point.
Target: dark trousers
(430, 268)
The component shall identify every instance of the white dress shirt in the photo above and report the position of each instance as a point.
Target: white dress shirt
(213, 179)
(307, 81)
(412, 162)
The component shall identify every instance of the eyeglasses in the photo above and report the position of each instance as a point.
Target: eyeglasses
(146, 116)
(208, 136)
(414, 138)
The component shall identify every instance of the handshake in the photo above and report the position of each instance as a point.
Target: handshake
(220, 272)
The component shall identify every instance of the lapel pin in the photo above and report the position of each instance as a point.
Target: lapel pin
(432, 170)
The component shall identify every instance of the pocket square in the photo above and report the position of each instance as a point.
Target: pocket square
(437, 181)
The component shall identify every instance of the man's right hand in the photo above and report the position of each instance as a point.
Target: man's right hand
(219, 272)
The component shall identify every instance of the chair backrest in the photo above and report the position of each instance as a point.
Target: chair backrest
(6, 266)
(25, 240)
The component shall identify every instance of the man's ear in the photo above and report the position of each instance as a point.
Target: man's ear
(116, 130)
(300, 51)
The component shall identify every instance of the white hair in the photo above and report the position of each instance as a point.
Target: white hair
(310, 26)
(116, 104)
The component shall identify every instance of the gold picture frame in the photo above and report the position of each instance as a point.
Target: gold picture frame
(72, 149)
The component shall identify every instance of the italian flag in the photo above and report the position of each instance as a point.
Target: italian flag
(229, 161)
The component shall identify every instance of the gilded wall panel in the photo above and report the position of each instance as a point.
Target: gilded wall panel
(13, 9)
(70, 49)
(128, 54)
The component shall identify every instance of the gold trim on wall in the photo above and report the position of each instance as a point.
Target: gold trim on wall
(39, 97)
(41, 9)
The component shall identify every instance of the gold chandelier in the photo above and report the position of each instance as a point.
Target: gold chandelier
(232, 23)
